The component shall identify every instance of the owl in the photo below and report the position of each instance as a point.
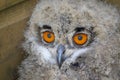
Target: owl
(72, 40)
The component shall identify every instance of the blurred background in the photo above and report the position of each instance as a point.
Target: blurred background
(14, 15)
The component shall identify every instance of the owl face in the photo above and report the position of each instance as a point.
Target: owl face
(62, 30)
(63, 44)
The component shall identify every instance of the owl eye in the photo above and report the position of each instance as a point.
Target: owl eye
(80, 38)
(48, 36)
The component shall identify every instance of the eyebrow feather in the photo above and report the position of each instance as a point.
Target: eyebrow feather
(79, 29)
(46, 27)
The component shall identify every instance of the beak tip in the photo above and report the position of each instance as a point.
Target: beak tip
(60, 63)
(59, 66)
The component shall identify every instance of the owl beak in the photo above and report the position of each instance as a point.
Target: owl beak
(60, 54)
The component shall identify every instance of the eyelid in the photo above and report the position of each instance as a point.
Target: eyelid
(44, 30)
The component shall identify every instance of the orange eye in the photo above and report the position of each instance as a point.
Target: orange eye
(80, 38)
(48, 36)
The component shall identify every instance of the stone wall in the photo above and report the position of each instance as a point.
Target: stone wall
(8, 3)
(14, 15)
(13, 20)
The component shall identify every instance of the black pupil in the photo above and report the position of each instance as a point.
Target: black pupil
(49, 35)
(79, 37)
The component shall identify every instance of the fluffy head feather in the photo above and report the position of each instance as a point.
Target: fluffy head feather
(99, 20)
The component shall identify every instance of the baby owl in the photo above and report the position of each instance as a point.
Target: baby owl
(72, 40)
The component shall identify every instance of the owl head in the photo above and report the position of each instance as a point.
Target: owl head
(64, 30)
